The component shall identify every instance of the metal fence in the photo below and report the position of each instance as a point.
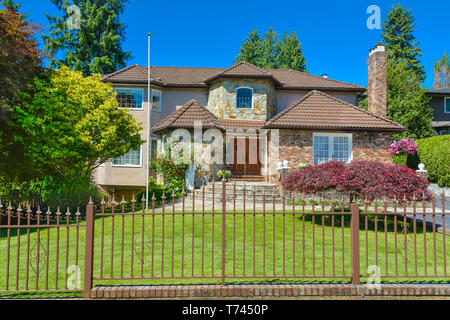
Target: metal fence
(233, 236)
(40, 251)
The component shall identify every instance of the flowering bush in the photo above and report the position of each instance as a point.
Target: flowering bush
(359, 179)
(173, 174)
(404, 146)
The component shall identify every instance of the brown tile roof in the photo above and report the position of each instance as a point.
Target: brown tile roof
(186, 116)
(190, 77)
(242, 124)
(318, 110)
(292, 79)
(193, 111)
(243, 69)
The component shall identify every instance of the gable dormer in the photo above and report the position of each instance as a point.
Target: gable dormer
(243, 91)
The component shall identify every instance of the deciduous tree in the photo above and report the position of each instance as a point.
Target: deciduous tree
(72, 123)
(441, 70)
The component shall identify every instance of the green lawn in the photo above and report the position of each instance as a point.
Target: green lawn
(311, 258)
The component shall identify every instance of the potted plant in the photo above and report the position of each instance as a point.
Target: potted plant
(224, 174)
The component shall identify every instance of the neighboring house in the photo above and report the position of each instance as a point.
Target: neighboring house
(440, 102)
(315, 119)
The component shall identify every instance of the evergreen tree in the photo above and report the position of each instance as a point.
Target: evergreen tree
(96, 47)
(399, 39)
(251, 50)
(271, 48)
(271, 53)
(291, 55)
(407, 102)
(441, 70)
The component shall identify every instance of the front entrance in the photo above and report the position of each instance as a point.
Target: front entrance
(247, 160)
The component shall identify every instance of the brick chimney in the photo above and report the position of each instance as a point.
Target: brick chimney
(377, 81)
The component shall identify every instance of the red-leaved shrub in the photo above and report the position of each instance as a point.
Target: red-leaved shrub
(360, 180)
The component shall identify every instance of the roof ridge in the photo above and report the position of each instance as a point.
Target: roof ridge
(247, 64)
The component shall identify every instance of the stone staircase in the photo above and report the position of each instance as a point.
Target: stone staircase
(235, 190)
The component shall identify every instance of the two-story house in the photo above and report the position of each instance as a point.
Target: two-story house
(303, 118)
(440, 102)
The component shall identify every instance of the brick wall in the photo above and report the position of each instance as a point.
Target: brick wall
(296, 146)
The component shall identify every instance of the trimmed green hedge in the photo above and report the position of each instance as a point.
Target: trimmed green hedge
(434, 153)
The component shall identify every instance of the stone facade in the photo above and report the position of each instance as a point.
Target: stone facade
(202, 168)
(296, 146)
(222, 99)
(371, 146)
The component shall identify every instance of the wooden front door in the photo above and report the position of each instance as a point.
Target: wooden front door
(247, 161)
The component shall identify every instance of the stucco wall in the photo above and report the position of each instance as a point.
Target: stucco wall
(121, 178)
(171, 98)
(286, 98)
(222, 99)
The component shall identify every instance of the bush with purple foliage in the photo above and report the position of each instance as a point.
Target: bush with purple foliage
(359, 179)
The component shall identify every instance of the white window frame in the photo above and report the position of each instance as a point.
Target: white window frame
(129, 165)
(160, 100)
(153, 150)
(253, 98)
(331, 137)
(135, 89)
(445, 104)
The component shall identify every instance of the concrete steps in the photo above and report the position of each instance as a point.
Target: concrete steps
(237, 190)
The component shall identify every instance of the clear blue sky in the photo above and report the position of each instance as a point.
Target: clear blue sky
(333, 33)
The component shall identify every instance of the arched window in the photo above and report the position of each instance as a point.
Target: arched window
(244, 98)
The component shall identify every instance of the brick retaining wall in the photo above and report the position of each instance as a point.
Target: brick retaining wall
(268, 291)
